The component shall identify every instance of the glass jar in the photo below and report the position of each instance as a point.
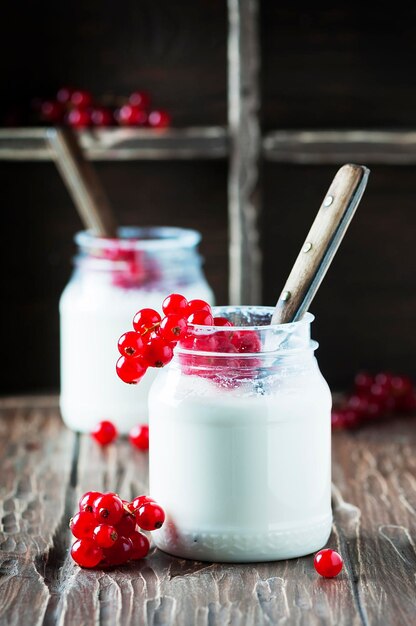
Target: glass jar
(113, 279)
(240, 442)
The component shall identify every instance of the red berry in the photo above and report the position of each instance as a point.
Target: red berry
(139, 436)
(384, 380)
(407, 403)
(140, 99)
(345, 418)
(131, 370)
(120, 552)
(157, 352)
(86, 553)
(79, 118)
(105, 536)
(87, 500)
(363, 382)
(146, 320)
(173, 327)
(159, 119)
(51, 111)
(328, 563)
(221, 321)
(130, 344)
(82, 524)
(401, 386)
(150, 516)
(108, 508)
(175, 303)
(101, 116)
(138, 502)
(81, 99)
(64, 94)
(140, 546)
(127, 525)
(104, 433)
(129, 115)
(246, 341)
(197, 305)
(201, 318)
(382, 395)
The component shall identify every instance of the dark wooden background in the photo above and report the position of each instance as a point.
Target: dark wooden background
(339, 67)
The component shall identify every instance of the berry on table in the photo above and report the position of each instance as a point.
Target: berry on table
(130, 115)
(150, 516)
(127, 525)
(82, 524)
(157, 353)
(159, 119)
(108, 508)
(79, 118)
(175, 304)
(120, 552)
(51, 111)
(139, 436)
(86, 553)
(104, 433)
(64, 95)
(140, 546)
(131, 370)
(102, 116)
(130, 344)
(81, 99)
(87, 500)
(173, 327)
(146, 320)
(328, 563)
(140, 99)
(363, 382)
(105, 536)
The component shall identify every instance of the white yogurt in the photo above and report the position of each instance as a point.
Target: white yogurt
(242, 476)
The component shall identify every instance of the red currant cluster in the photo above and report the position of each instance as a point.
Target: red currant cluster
(153, 339)
(77, 108)
(373, 397)
(105, 432)
(107, 528)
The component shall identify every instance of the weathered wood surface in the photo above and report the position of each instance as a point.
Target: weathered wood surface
(45, 468)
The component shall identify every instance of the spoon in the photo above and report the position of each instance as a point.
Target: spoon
(321, 243)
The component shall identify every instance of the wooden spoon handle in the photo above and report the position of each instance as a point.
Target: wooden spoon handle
(82, 183)
(322, 242)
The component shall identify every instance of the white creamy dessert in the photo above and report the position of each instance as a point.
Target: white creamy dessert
(243, 471)
(94, 312)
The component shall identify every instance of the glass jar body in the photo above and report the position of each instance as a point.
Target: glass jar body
(98, 305)
(243, 469)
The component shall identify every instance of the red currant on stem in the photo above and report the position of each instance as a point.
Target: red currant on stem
(175, 304)
(105, 536)
(159, 119)
(363, 382)
(51, 111)
(108, 508)
(104, 433)
(79, 118)
(140, 546)
(82, 524)
(221, 321)
(87, 500)
(130, 344)
(81, 99)
(140, 99)
(127, 525)
(131, 370)
(201, 318)
(129, 115)
(173, 327)
(150, 516)
(197, 305)
(64, 94)
(328, 563)
(138, 502)
(157, 352)
(101, 116)
(120, 552)
(146, 320)
(139, 436)
(86, 553)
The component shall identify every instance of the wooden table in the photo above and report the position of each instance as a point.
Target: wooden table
(45, 468)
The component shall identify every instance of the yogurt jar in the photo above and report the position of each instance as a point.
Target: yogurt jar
(240, 442)
(114, 278)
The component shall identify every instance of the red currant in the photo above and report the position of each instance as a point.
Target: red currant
(140, 99)
(221, 321)
(51, 111)
(173, 327)
(138, 502)
(140, 546)
(130, 370)
(129, 115)
(345, 418)
(146, 320)
(197, 305)
(87, 500)
(157, 352)
(104, 433)
(159, 119)
(246, 341)
(363, 382)
(82, 524)
(401, 386)
(130, 344)
(79, 118)
(64, 94)
(175, 303)
(150, 516)
(127, 525)
(105, 536)
(139, 436)
(101, 116)
(108, 508)
(328, 563)
(201, 318)
(120, 552)
(86, 553)
(81, 99)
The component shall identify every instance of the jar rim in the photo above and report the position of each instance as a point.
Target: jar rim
(223, 311)
(141, 238)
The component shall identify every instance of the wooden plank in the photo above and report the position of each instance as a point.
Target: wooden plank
(120, 144)
(244, 152)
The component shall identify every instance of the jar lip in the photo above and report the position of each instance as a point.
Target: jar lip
(141, 238)
(241, 357)
(224, 311)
